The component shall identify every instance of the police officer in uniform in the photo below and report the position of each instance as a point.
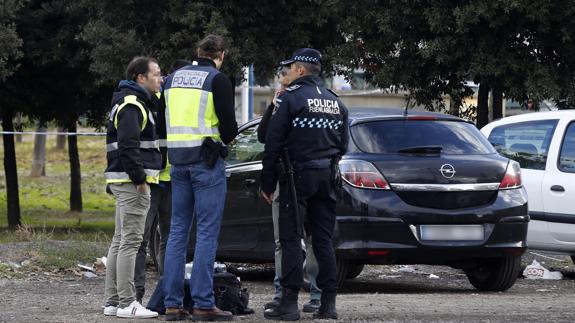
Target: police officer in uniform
(312, 123)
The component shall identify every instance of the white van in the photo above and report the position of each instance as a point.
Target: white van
(544, 145)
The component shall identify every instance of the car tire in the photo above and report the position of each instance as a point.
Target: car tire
(341, 270)
(341, 273)
(495, 275)
(353, 270)
(154, 244)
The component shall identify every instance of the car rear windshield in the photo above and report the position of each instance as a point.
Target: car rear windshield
(393, 136)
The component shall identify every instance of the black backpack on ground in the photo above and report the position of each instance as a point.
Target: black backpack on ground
(228, 292)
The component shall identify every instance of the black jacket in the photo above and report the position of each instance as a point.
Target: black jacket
(130, 157)
(264, 123)
(310, 121)
(223, 103)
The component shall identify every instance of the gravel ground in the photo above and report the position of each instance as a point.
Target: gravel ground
(379, 294)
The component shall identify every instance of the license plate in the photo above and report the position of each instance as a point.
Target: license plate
(452, 232)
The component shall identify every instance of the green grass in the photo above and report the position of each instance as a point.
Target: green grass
(44, 201)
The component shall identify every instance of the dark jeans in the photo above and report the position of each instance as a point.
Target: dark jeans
(160, 206)
(165, 217)
(201, 193)
(316, 202)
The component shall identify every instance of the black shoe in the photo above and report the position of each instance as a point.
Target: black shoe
(271, 304)
(311, 306)
(287, 309)
(327, 308)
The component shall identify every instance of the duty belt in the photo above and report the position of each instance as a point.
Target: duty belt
(313, 164)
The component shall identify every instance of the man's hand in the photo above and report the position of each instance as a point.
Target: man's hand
(268, 197)
(142, 188)
(278, 93)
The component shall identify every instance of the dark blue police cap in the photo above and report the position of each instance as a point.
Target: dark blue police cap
(308, 55)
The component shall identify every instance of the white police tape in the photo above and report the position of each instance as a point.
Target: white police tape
(97, 134)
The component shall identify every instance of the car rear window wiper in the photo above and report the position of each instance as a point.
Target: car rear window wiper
(421, 150)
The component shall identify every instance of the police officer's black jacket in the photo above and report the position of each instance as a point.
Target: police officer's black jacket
(264, 123)
(129, 156)
(310, 121)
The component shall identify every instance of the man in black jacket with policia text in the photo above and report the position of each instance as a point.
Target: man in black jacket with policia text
(312, 123)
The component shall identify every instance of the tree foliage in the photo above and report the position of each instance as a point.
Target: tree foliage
(10, 41)
(433, 47)
(257, 32)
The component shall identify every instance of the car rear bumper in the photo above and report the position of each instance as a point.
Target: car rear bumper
(388, 230)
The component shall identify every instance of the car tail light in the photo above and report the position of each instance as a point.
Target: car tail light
(512, 178)
(362, 174)
(384, 252)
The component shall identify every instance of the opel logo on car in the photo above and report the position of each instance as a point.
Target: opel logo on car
(447, 170)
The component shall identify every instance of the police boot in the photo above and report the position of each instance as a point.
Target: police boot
(327, 308)
(287, 309)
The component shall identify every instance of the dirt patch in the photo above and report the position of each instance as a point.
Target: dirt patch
(379, 294)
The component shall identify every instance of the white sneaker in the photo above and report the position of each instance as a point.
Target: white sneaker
(110, 310)
(135, 310)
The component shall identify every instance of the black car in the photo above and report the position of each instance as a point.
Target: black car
(422, 188)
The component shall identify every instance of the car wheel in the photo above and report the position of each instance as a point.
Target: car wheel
(341, 273)
(353, 270)
(154, 244)
(341, 270)
(495, 275)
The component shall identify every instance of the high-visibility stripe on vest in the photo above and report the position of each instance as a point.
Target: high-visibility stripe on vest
(190, 111)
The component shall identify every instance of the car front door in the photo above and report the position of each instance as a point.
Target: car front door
(240, 232)
(559, 184)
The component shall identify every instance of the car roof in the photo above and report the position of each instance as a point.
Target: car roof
(362, 114)
(380, 113)
(531, 116)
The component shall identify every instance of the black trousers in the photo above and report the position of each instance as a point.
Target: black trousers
(316, 202)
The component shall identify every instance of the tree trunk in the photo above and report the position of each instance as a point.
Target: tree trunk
(19, 126)
(39, 158)
(482, 105)
(11, 172)
(75, 173)
(454, 106)
(497, 102)
(61, 140)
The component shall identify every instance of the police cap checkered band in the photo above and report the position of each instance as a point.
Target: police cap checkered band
(308, 55)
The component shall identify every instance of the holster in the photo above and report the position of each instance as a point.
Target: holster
(212, 150)
(335, 174)
(280, 168)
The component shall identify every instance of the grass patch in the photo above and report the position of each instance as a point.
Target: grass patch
(63, 255)
(7, 271)
(44, 201)
(53, 250)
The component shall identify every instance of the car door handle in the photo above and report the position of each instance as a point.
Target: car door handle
(250, 182)
(557, 188)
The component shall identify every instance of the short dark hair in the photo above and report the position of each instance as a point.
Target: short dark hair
(177, 64)
(211, 46)
(311, 68)
(139, 65)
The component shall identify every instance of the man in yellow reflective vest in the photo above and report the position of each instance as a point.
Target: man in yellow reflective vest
(133, 163)
(200, 119)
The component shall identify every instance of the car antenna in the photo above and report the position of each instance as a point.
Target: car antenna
(406, 106)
